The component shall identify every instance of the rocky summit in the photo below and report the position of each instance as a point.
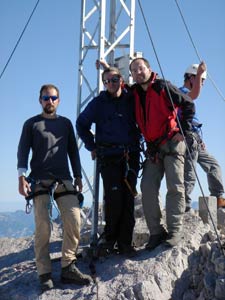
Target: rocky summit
(194, 270)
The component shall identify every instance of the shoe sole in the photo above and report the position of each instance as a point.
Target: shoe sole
(48, 286)
(150, 248)
(168, 244)
(46, 289)
(128, 254)
(173, 243)
(73, 281)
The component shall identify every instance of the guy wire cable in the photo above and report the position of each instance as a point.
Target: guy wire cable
(196, 51)
(188, 150)
(17, 43)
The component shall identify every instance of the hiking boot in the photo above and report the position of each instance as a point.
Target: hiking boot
(71, 274)
(173, 239)
(127, 250)
(220, 202)
(105, 248)
(155, 240)
(46, 282)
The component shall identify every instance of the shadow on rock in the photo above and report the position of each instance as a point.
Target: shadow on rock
(205, 276)
(26, 254)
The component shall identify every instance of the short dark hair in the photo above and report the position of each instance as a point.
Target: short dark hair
(48, 86)
(111, 69)
(187, 76)
(146, 62)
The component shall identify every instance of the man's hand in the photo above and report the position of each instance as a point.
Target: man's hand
(78, 184)
(202, 68)
(101, 63)
(203, 146)
(93, 154)
(24, 186)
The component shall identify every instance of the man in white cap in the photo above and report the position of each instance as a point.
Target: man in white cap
(194, 78)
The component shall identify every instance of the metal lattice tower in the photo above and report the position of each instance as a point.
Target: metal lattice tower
(106, 33)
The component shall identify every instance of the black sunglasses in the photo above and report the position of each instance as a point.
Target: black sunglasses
(47, 98)
(114, 79)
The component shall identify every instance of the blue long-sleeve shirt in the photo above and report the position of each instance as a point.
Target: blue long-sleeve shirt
(115, 122)
(196, 125)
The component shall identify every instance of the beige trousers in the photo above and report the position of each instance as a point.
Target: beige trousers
(70, 213)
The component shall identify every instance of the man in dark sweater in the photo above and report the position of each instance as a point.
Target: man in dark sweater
(52, 140)
(116, 145)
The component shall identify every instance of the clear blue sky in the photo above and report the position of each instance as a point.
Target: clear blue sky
(48, 52)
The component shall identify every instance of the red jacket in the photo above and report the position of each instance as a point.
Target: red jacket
(155, 114)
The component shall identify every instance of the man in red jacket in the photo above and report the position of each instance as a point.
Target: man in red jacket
(156, 103)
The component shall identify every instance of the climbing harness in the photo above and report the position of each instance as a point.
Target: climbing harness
(120, 158)
(28, 199)
(76, 193)
(127, 170)
(49, 190)
(152, 151)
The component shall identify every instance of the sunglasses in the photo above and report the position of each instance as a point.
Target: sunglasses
(47, 98)
(114, 79)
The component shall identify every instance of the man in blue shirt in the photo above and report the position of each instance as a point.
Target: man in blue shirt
(194, 78)
(116, 146)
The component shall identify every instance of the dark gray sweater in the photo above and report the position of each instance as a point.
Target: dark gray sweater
(52, 141)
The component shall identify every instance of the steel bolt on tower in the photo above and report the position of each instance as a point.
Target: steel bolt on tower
(106, 32)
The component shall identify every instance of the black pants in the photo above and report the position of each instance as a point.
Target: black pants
(119, 201)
